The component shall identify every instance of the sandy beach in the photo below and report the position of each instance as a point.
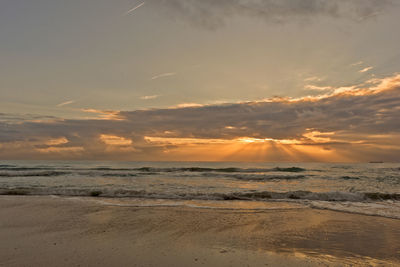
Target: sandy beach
(54, 231)
(216, 133)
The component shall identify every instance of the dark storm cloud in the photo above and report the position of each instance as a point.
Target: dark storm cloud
(211, 13)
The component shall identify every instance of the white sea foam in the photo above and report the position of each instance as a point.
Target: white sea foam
(389, 209)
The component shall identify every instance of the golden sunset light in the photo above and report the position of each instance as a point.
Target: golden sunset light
(212, 133)
(115, 140)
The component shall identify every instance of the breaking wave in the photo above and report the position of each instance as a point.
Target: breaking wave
(33, 174)
(259, 196)
(374, 204)
(249, 174)
(171, 169)
(360, 188)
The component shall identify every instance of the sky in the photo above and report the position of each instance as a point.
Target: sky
(200, 80)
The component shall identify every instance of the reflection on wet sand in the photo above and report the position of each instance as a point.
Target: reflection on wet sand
(121, 233)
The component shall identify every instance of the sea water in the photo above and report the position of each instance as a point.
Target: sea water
(366, 188)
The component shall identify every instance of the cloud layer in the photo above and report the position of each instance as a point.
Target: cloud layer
(212, 14)
(360, 123)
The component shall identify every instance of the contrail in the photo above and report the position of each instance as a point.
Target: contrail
(133, 9)
(163, 75)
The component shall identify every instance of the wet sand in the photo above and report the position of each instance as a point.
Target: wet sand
(53, 231)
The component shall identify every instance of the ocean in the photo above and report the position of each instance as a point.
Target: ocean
(364, 188)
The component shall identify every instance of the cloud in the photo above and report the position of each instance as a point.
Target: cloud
(314, 79)
(149, 97)
(17, 118)
(318, 88)
(57, 141)
(104, 114)
(358, 122)
(212, 14)
(187, 105)
(357, 63)
(115, 140)
(366, 69)
(66, 103)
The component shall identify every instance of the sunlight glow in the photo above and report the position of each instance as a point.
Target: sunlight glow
(105, 114)
(264, 140)
(60, 149)
(319, 137)
(249, 148)
(115, 140)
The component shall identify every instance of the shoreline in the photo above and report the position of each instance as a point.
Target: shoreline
(385, 208)
(67, 232)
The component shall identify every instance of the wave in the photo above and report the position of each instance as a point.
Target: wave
(383, 209)
(375, 204)
(242, 174)
(223, 170)
(245, 174)
(257, 195)
(26, 168)
(244, 177)
(7, 166)
(291, 169)
(154, 169)
(33, 174)
(248, 174)
(264, 177)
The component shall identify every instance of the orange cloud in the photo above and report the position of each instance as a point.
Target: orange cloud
(243, 149)
(58, 150)
(353, 123)
(114, 140)
(319, 137)
(57, 141)
(105, 114)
